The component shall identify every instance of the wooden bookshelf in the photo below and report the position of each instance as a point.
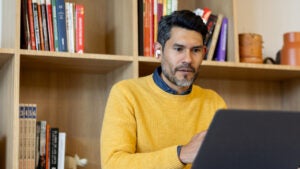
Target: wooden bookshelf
(71, 90)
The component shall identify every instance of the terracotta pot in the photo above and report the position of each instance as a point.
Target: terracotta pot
(250, 47)
(290, 53)
(252, 60)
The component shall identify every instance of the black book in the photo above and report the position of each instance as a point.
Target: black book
(54, 148)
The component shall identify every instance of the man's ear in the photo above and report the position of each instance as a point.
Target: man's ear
(158, 50)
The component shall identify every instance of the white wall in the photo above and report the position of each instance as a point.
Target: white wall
(270, 18)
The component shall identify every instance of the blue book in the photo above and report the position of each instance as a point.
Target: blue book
(54, 22)
(221, 48)
(61, 25)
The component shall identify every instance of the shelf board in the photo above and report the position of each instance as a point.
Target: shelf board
(85, 63)
(234, 71)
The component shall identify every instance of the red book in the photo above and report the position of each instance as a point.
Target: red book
(31, 25)
(79, 36)
(50, 25)
(148, 28)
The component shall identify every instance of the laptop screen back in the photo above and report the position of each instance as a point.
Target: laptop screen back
(251, 139)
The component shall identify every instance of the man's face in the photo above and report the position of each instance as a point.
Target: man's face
(182, 57)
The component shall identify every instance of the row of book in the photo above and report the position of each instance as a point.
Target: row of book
(40, 145)
(150, 13)
(216, 38)
(52, 25)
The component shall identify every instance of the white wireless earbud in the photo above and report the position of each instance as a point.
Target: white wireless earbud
(157, 53)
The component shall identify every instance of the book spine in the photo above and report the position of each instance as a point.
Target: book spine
(165, 3)
(42, 156)
(148, 28)
(54, 21)
(169, 7)
(31, 25)
(47, 166)
(54, 148)
(160, 8)
(50, 25)
(155, 23)
(141, 27)
(61, 149)
(27, 136)
(25, 31)
(61, 25)
(174, 5)
(211, 22)
(31, 136)
(222, 42)
(37, 146)
(21, 136)
(44, 24)
(70, 26)
(40, 23)
(36, 24)
(79, 28)
(215, 36)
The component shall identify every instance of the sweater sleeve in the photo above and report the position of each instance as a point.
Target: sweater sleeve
(119, 142)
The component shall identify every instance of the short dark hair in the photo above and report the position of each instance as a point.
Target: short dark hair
(184, 19)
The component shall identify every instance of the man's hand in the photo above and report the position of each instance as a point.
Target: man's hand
(189, 151)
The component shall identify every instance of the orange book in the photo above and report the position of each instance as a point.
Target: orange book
(148, 28)
(31, 25)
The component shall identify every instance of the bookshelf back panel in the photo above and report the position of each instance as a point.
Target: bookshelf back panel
(74, 102)
(291, 95)
(119, 27)
(94, 25)
(108, 26)
(243, 94)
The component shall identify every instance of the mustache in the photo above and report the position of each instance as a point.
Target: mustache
(188, 68)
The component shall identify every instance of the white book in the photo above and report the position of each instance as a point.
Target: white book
(32, 109)
(70, 26)
(61, 150)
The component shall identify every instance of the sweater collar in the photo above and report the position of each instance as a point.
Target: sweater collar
(162, 84)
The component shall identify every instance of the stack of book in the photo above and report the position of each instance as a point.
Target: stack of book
(52, 25)
(40, 145)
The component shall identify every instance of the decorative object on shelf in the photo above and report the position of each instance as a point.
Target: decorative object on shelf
(269, 60)
(290, 53)
(250, 48)
(73, 162)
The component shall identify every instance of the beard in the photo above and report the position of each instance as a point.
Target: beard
(186, 81)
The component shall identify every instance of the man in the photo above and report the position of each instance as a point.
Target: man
(159, 121)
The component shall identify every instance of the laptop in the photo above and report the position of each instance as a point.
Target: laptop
(251, 139)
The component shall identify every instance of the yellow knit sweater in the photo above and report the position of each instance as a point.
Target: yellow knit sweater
(143, 125)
